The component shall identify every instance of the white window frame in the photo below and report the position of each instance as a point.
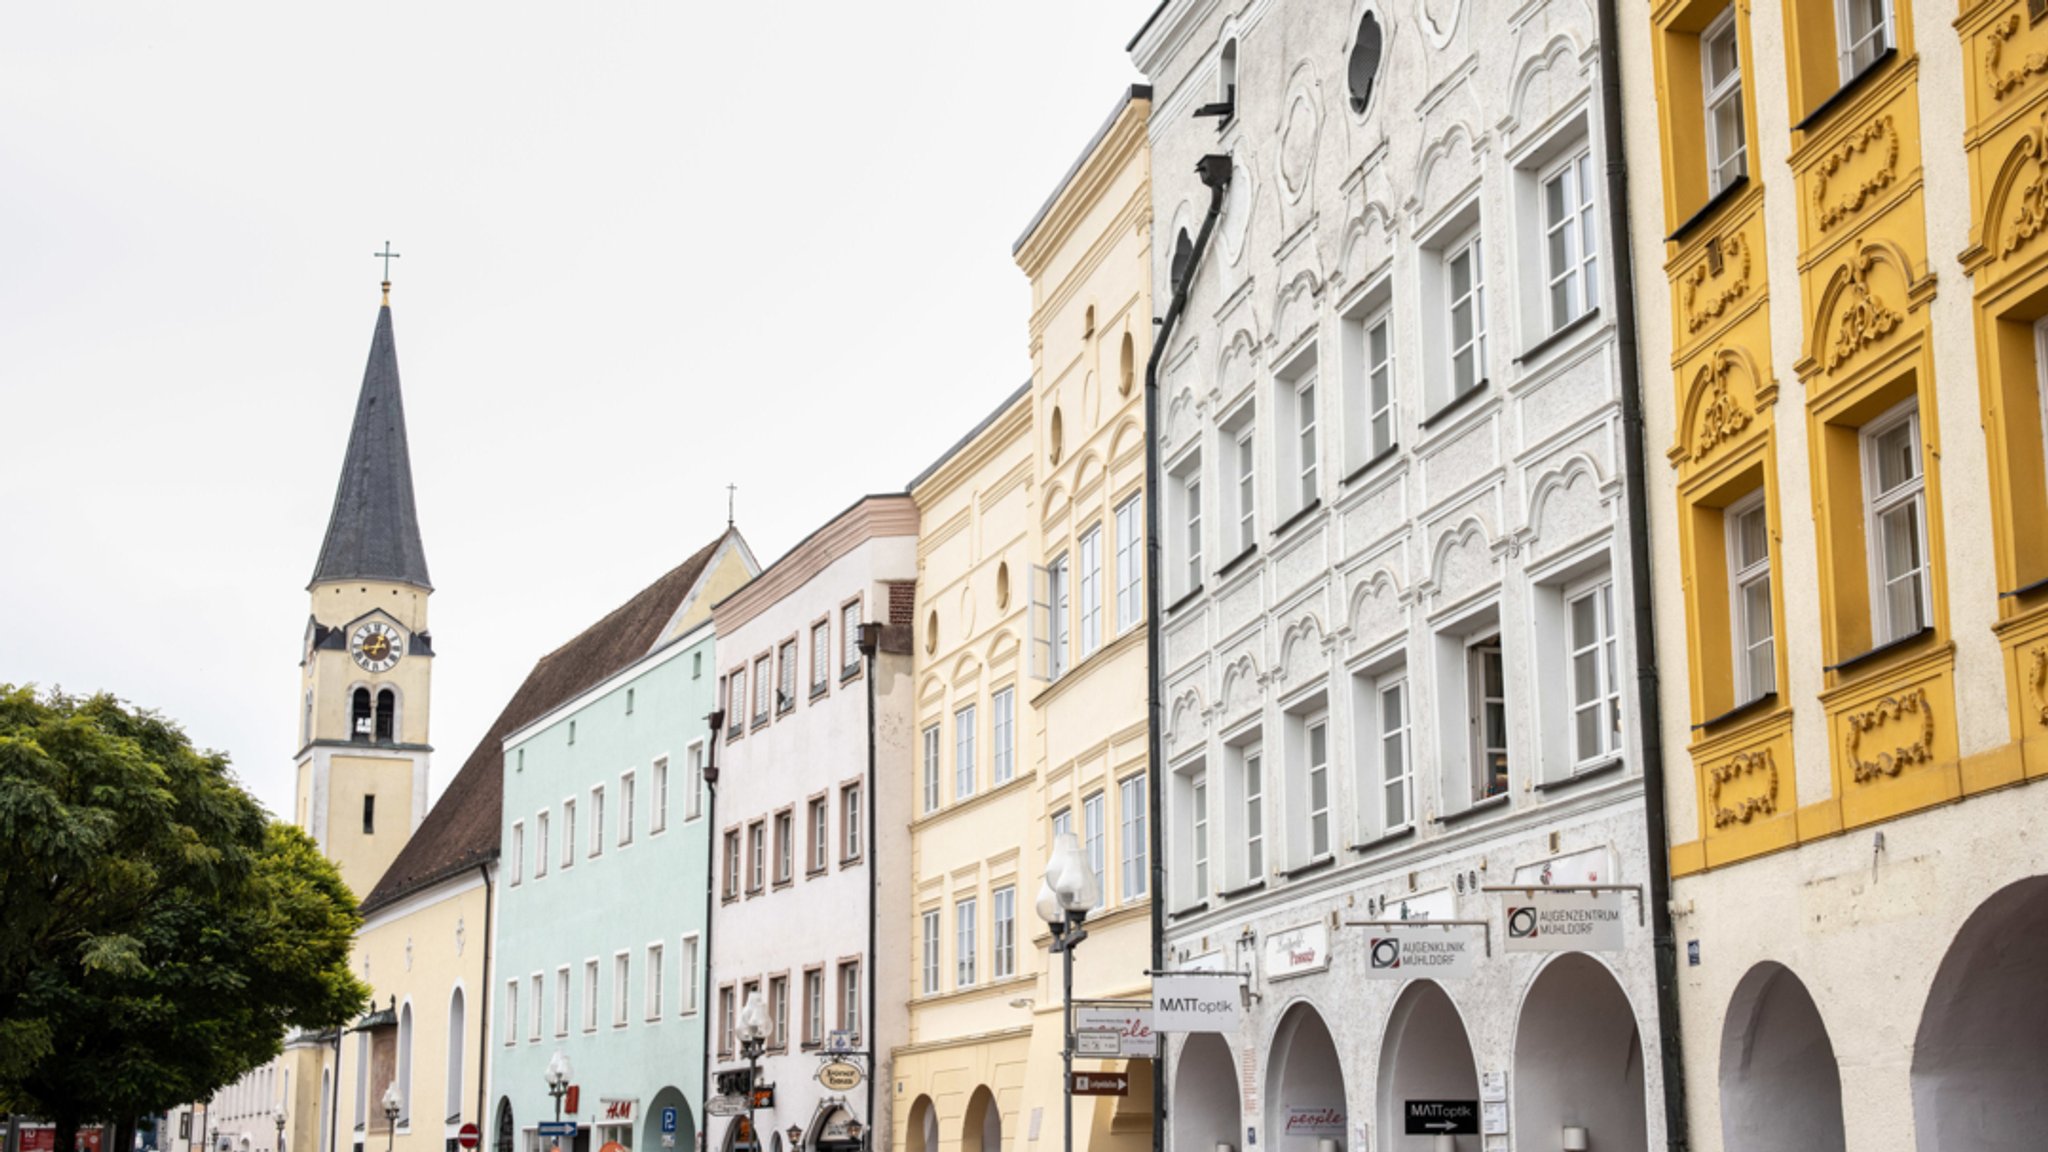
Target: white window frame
(1307, 452)
(931, 767)
(1059, 593)
(819, 810)
(622, 987)
(686, 975)
(1003, 736)
(849, 992)
(568, 833)
(1477, 702)
(814, 1005)
(562, 1001)
(1394, 744)
(1572, 277)
(1469, 246)
(518, 852)
(849, 639)
(1316, 776)
(1857, 51)
(851, 830)
(1742, 577)
(1187, 490)
(511, 1038)
(1878, 505)
(1135, 863)
(821, 655)
(1130, 564)
(539, 1008)
(1003, 932)
(596, 821)
(693, 797)
(966, 942)
(784, 832)
(786, 655)
(653, 992)
(590, 994)
(964, 774)
(1244, 485)
(540, 844)
(657, 816)
(931, 957)
(757, 856)
(628, 786)
(1198, 848)
(1094, 840)
(1603, 648)
(1379, 395)
(764, 691)
(1252, 771)
(1089, 551)
(1724, 167)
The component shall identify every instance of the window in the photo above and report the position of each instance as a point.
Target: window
(850, 832)
(1390, 711)
(1062, 823)
(778, 1011)
(1130, 565)
(1003, 736)
(736, 702)
(849, 638)
(1486, 713)
(725, 1020)
(1254, 812)
(1131, 799)
(785, 672)
(763, 689)
(1003, 933)
(562, 1000)
(821, 833)
(622, 973)
(572, 732)
(533, 1029)
(597, 821)
(849, 997)
(511, 1037)
(821, 656)
(540, 845)
(1091, 591)
(814, 1006)
(931, 952)
(1317, 749)
(655, 972)
(1186, 491)
(1721, 73)
(518, 851)
(1594, 677)
(964, 957)
(1059, 597)
(626, 789)
(1465, 308)
(1369, 382)
(629, 701)
(568, 833)
(370, 814)
(657, 817)
(1244, 489)
(1092, 817)
(757, 856)
(1302, 450)
(1571, 243)
(963, 753)
(1198, 818)
(1749, 596)
(686, 983)
(931, 768)
(732, 864)
(693, 799)
(1895, 509)
(785, 847)
(590, 995)
(1363, 69)
(1863, 30)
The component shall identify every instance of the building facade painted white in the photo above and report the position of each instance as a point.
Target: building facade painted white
(1397, 639)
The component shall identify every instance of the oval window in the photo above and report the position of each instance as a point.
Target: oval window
(1002, 585)
(1365, 63)
(931, 632)
(1126, 366)
(1053, 434)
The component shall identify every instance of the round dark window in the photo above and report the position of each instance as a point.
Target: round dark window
(1365, 62)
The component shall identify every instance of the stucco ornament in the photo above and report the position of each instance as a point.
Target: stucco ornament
(1441, 18)
(1865, 319)
(1729, 286)
(1905, 722)
(1742, 768)
(1298, 142)
(2037, 679)
(1722, 416)
(1880, 137)
(2032, 197)
(2032, 64)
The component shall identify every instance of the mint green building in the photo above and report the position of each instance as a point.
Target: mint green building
(601, 905)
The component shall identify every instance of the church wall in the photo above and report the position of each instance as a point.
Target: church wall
(363, 858)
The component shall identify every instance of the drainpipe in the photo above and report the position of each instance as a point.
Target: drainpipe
(1215, 171)
(334, 1095)
(705, 1005)
(870, 644)
(1664, 944)
(483, 1031)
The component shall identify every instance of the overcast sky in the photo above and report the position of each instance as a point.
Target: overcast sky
(648, 249)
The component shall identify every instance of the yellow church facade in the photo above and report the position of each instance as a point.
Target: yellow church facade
(1845, 370)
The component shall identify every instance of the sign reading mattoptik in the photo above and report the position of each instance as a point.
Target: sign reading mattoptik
(1196, 1002)
(1544, 921)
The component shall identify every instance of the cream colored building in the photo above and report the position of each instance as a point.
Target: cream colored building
(1030, 672)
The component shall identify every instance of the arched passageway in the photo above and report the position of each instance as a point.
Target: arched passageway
(1980, 1059)
(685, 1135)
(922, 1133)
(1426, 1055)
(505, 1133)
(981, 1129)
(1206, 1113)
(1780, 1085)
(1579, 1060)
(1304, 1084)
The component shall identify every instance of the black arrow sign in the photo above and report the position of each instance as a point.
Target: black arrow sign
(1442, 1117)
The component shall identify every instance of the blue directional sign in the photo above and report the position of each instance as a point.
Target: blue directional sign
(668, 1121)
(557, 1129)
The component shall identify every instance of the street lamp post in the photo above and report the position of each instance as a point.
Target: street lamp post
(279, 1116)
(559, 1075)
(753, 1041)
(392, 1107)
(1065, 897)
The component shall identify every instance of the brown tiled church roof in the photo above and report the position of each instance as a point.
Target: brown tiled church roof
(461, 832)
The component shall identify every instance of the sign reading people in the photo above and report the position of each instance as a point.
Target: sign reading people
(1539, 920)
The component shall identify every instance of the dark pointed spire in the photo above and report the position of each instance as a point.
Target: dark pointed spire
(374, 531)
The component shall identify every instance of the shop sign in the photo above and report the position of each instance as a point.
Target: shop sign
(1297, 951)
(1440, 952)
(1442, 1117)
(1202, 1002)
(1130, 1025)
(839, 1076)
(726, 1106)
(1313, 1121)
(613, 1110)
(1543, 921)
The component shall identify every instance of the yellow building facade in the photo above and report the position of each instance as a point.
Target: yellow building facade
(1848, 195)
(1030, 671)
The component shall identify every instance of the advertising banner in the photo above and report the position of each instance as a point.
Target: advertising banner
(1442, 952)
(1542, 921)
(1191, 1003)
(1131, 1025)
(1297, 951)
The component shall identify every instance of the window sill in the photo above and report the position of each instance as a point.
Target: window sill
(1307, 510)
(1181, 603)
(1603, 768)
(850, 672)
(1310, 868)
(1712, 206)
(819, 871)
(1889, 646)
(785, 710)
(1404, 832)
(1495, 803)
(1379, 458)
(1841, 95)
(2025, 589)
(1191, 910)
(1241, 890)
(1558, 336)
(1455, 403)
(760, 722)
(1236, 562)
(1752, 705)
(821, 688)
(781, 884)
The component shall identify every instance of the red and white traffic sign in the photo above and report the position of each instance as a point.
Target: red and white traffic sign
(466, 1136)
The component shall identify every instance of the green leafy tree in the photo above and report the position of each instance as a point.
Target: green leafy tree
(159, 933)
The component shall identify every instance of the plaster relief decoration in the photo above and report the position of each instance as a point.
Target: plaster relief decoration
(2037, 679)
(1440, 17)
(1376, 612)
(1743, 771)
(1294, 309)
(1864, 319)
(1867, 163)
(1186, 728)
(1890, 735)
(1301, 651)
(2032, 64)
(1298, 133)
(1240, 688)
(1464, 562)
(2031, 216)
(1722, 416)
(1704, 305)
(1567, 507)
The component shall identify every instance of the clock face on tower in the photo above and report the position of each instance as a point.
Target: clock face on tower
(376, 646)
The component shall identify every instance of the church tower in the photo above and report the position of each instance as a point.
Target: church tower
(367, 657)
